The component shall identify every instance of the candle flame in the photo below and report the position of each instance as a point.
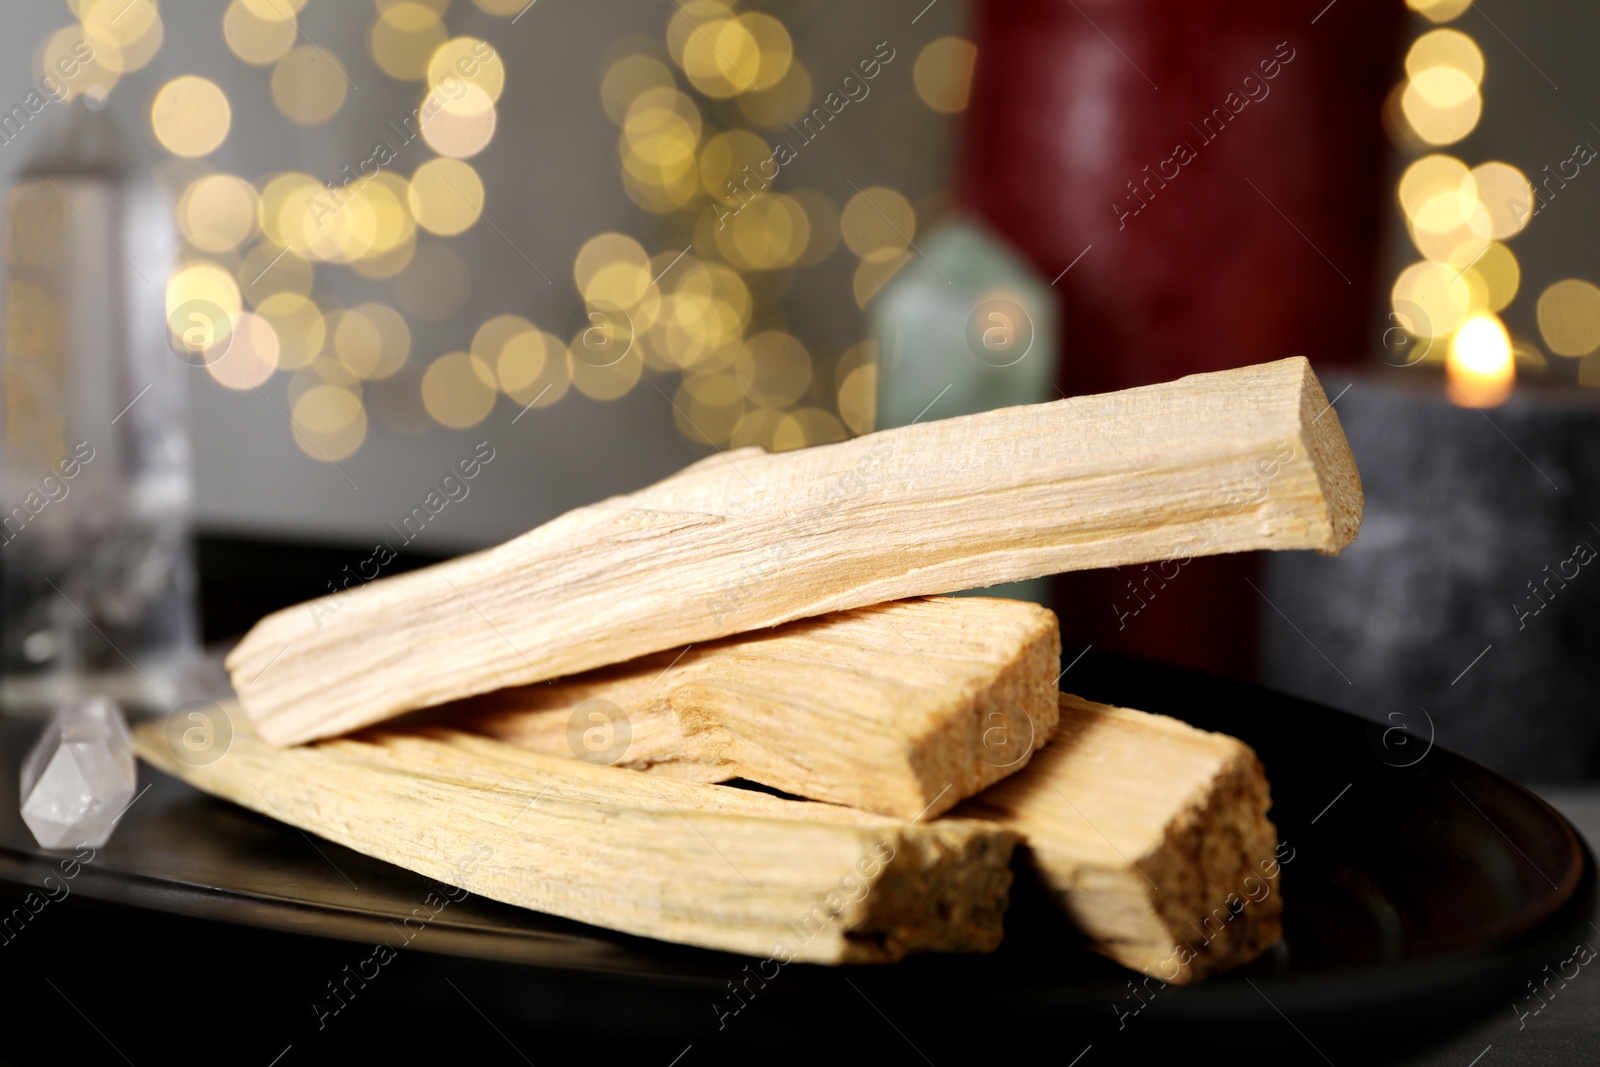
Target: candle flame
(1480, 369)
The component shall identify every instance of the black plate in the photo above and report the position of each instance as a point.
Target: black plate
(1421, 884)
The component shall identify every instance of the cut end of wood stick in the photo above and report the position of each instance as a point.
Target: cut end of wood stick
(706, 865)
(1152, 835)
(1230, 461)
(1335, 467)
(903, 709)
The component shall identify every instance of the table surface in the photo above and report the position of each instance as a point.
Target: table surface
(66, 957)
(1565, 1031)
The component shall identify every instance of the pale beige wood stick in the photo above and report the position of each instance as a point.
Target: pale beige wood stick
(1152, 835)
(697, 864)
(1221, 462)
(904, 709)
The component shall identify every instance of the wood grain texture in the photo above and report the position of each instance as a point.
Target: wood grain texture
(697, 864)
(903, 709)
(1222, 462)
(1152, 835)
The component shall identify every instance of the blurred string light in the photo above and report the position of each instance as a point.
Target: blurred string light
(257, 247)
(309, 85)
(943, 73)
(259, 37)
(705, 310)
(1458, 218)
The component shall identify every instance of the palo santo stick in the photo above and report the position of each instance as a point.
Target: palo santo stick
(904, 709)
(697, 864)
(1152, 835)
(1222, 462)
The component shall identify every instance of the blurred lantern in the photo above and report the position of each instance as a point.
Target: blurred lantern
(965, 327)
(99, 585)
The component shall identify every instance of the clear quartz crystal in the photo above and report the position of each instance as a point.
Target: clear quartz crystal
(79, 776)
(95, 485)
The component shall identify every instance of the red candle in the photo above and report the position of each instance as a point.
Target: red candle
(1202, 180)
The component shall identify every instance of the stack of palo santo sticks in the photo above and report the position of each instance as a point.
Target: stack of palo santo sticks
(546, 723)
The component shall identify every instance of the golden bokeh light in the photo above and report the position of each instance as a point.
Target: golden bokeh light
(629, 77)
(1442, 105)
(333, 225)
(435, 284)
(1446, 48)
(704, 417)
(276, 195)
(1427, 178)
(70, 65)
(858, 399)
(608, 381)
(325, 369)
(460, 127)
(404, 37)
(613, 268)
(1451, 226)
(372, 340)
(731, 167)
(723, 54)
(1479, 369)
(943, 73)
(1439, 10)
(300, 327)
(659, 135)
(779, 368)
(878, 223)
(1431, 299)
(781, 103)
(438, 7)
(256, 40)
(459, 390)
(251, 357)
(722, 386)
(533, 368)
(873, 274)
(329, 422)
(446, 196)
(1569, 317)
(217, 213)
(309, 85)
(774, 50)
(275, 10)
(1497, 273)
(131, 28)
(755, 429)
(489, 340)
(1507, 199)
(805, 427)
(207, 282)
(691, 15)
(190, 116)
(386, 202)
(702, 323)
(470, 60)
(769, 233)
